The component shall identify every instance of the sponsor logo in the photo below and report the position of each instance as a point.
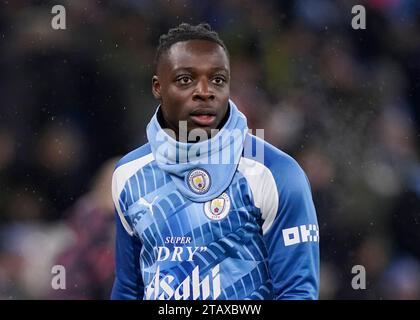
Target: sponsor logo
(178, 253)
(161, 287)
(303, 233)
(149, 205)
(199, 181)
(218, 208)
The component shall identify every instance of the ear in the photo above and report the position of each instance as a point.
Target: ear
(156, 87)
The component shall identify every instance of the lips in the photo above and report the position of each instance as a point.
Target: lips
(203, 117)
(203, 120)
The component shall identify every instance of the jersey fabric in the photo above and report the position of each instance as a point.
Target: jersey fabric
(256, 240)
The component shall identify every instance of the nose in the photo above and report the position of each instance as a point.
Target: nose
(202, 91)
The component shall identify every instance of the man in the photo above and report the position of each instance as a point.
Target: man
(198, 216)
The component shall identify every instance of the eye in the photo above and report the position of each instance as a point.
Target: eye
(219, 80)
(184, 80)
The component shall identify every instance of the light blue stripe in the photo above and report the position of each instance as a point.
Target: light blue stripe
(258, 295)
(180, 226)
(263, 287)
(244, 286)
(198, 223)
(202, 233)
(258, 249)
(236, 209)
(211, 231)
(259, 274)
(145, 251)
(252, 278)
(129, 189)
(219, 247)
(183, 270)
(146, 259)
(150, 245)
(230, 244)
(149, 182)
(266, 267)
(170, 204)
(142, 179)
(232, 270)
(224, 292)
(144, 274)
(234, 290)
(249, 252)
(138, 184)
(134, 189)
(230, 224)
(211, 253)
(154, 179)
(198, 254)
(165, 219)
(149, 260)
(248, 215)
(191, 228)
(162, 192)
(235, 236)
(158, 231)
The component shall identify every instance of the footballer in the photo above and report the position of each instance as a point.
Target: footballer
(206, 210)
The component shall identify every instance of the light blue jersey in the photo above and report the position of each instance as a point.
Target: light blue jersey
(259, 239)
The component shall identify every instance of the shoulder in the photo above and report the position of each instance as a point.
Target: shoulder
(275, 179)
(133, 161)
(135, 155)
(272, 176)
(129, 165)
(284, 169)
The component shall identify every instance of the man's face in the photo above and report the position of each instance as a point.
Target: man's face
(192, 84)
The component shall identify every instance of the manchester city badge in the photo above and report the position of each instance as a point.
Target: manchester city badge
(218, 208)
(199, 181)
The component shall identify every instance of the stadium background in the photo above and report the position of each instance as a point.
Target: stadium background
(345, 103)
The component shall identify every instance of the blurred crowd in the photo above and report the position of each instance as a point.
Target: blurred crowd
(345, 103)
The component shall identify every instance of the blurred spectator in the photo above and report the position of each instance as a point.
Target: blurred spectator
(26, 256)
(402, 279)
(89, 259)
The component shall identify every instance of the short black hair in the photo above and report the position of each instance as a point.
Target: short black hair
(185, 32)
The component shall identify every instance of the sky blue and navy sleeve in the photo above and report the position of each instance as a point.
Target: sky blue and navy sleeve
(128, 284)
(292, 240)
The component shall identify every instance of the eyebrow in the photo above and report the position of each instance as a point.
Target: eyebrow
(192, 69)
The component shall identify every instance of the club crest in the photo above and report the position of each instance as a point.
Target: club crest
(218, 208)
(199, 181)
